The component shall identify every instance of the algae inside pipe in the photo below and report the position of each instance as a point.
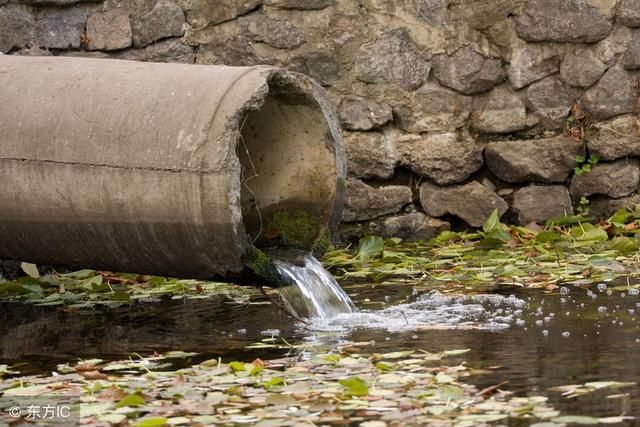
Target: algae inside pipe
(167, 169)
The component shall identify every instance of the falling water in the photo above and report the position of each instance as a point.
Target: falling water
(313, 292)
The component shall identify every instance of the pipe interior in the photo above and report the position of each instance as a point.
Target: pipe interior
(288, 173)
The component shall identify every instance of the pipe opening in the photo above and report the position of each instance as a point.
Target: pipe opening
(288, 173)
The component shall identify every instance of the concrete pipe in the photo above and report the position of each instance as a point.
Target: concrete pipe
(167, 169)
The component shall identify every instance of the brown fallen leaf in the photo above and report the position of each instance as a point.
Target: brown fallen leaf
(93, 375)
(82, 367)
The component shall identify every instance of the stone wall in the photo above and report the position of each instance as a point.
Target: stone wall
(451, 108)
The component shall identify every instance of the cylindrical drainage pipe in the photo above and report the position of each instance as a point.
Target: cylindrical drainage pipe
(168, 169)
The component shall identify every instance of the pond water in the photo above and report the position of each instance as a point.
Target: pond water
(532, 340)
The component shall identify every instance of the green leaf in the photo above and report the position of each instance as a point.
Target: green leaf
(273, 382)
(370, 247)
(237, 366)
(152, 422)
(624, 245)
(492, 223)
(130, 400)
(499, 235)
(568, 220)
(584, 232)
(354, 386)
(547, 236)
(620, 218)
(384, 367)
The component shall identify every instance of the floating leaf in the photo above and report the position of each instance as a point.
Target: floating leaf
(568, 220)
(370, 247)
(354, 386)
(273, 382)
(152, 422)
(30, 269)
(624, 245)
(576, 419)
(130, 400)
(281, 399)
(397, 354)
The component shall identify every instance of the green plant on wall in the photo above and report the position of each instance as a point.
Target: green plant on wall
(583, 206)
(584, 165)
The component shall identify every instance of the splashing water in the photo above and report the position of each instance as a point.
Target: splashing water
(432, 311)
(313, 291)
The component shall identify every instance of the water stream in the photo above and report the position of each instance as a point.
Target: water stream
(312, 291)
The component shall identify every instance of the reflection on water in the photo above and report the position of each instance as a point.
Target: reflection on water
(569, 337)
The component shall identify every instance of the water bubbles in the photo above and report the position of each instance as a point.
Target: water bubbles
(270, 332)
(415, 337)
(241, 331)
(634, 292)
(387, 338)
(539, 322)
(591, 295)
(563, 300)
(552, 315)
(602, 309)
(545, 333)
(547, 319)
(566, 334)
(609, 292)
(637, 340)
(631, 311)
(602, 287)
(386, 298)
(414, 292)
(564, 290)
(520, 322)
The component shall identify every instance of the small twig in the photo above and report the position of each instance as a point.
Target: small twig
(616, 132)
(489, 390)
(405, 318)
(245, 180)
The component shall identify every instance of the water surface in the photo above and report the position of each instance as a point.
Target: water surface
(534, 341)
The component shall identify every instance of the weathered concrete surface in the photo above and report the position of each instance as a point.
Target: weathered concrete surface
(104, 166)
